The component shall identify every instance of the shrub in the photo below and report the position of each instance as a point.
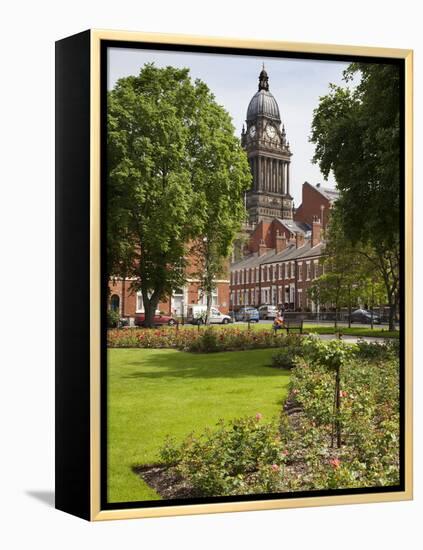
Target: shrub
(378, 351)
(244, 456)
(207, 341)
(290, 350)
(113, 318)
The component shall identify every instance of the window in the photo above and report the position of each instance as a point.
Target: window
(114, 302)
(139, 308)
(202, 297)
(300, 299)
(316, 269)
(292, 270)
(300, 271)
(308, 271)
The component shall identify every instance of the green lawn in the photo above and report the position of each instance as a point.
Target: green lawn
(154, 392)
(353, 331)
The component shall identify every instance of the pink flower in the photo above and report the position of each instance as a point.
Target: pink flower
(285, 452)
(275, 468)
(343, 393)
(259, 416)
(335, 462)
(295, 392)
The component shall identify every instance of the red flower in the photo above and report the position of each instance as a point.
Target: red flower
(343, 393)
(259, 416)
(335, 462)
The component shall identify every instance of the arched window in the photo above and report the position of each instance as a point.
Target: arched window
(114, 302)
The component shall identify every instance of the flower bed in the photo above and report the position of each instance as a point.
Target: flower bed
(302, 451)
(369, 423)
(188, 339)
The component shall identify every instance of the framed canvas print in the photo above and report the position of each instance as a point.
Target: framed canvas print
(233, 280)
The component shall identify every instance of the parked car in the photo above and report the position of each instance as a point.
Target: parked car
(364, 316)
(159, 320)
(267, 312)
(197, 315)
(247, 313)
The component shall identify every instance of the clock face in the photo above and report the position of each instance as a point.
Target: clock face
(252, 131)
(270, 131)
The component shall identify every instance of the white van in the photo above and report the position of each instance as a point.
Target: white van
(197, 314)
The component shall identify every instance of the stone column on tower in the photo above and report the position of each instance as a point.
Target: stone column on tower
(287, 178)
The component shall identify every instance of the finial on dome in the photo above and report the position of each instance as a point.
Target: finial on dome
(263, 80)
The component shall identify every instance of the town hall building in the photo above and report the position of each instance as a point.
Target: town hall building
(281, 247)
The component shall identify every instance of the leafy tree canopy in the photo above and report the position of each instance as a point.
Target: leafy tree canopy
(356, 130)
(174, 166)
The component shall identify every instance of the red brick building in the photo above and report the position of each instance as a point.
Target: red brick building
(281, 259)
(130, 302)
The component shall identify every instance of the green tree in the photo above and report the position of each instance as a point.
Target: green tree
(356, 130)
(349, 276)
(223, 176)
(158, 154)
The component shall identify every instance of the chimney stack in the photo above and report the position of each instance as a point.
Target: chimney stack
(299, 239)
(262, 248)
(280, 242)
(316, 230)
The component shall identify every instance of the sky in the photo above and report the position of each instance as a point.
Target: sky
(295, 84)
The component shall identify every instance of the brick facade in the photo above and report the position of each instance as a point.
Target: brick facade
(282, 257)
(129, 301)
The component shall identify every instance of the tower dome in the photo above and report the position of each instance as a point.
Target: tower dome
(263, 103)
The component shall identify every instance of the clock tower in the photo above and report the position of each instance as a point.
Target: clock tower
(269, 155)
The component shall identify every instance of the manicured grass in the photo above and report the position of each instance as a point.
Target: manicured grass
(353, 331)
(154, 392)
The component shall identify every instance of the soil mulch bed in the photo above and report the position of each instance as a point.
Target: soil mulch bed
(166, 482)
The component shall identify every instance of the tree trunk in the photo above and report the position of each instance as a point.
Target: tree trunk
(392, 313)
(349, 308)
(338, 407)
(150, 306)
(209, 304)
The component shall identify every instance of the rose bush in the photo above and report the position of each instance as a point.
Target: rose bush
(244, 456)
(369, 415)
(207, 339)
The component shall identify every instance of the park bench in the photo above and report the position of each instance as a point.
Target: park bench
(289, 325)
